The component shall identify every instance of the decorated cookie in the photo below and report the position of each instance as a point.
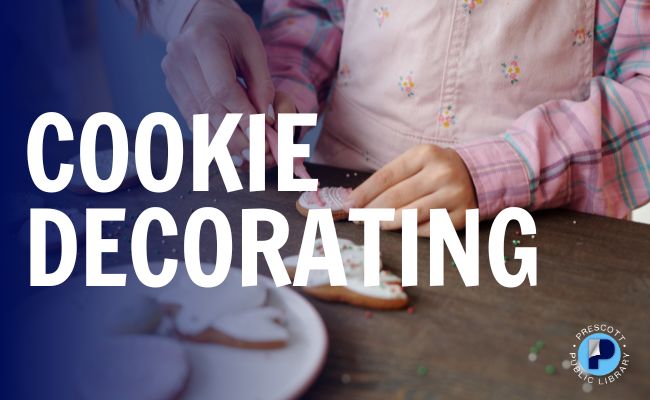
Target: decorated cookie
(228, 314)
(388, 295)
(104, 161)
(131, 315)
(52, 234)
(134, 367)
(327, 197)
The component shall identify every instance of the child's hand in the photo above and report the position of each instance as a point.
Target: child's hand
(282, 103)
(424, 177)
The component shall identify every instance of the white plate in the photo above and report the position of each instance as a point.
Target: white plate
(52, 332)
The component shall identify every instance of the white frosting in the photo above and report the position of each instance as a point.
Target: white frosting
(390, 285)
(134, 367)
(327, 197)
(236, 311)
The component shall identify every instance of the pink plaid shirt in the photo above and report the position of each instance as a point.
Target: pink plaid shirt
(591, 156)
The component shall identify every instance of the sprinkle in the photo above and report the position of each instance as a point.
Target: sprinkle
(539, 344)
(516, 242)
(422, 370)
(549, 369)
(532, 236)
(345, 378)
(162, 241)
(532, 357)
(566, 364)
(506, 258)
(214, 201)
(181, 197)
(587, 387)
(368, 315)
(534, 349)
(410, 310)
(453, 263)
(174, 250)
(574, 222)
(347, 175)
(517, 233)
(355, 174)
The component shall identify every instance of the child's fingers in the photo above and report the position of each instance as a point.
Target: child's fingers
(424, 229)
(435, 200)
(283, 103)
(404, 192)
(401, 168)
(457, 219)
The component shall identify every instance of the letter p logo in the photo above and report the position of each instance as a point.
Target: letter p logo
(600, 349)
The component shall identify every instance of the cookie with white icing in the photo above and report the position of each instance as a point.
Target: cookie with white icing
(228, 314)
(327, 197)
(134, 367)
(388, 295)
(104, 161)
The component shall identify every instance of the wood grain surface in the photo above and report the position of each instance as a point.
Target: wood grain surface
(459, 342)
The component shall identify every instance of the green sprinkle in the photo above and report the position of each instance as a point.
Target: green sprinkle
(550, 369)
(516, 242)
(506, 258)
(453, 263)
(534, 349)
(422, 370)
(539, 344)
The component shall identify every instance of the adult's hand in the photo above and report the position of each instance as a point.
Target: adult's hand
(424, 177)
(217, 44)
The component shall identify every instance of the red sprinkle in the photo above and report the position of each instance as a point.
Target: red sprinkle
(517, 233)
(368, 315)
(410, 310)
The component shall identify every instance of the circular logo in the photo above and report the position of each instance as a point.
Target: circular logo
(600, 356)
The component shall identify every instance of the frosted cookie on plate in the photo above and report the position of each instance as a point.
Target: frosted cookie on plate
(134, 367)
(387, 296)
(328, 197)
(104, 161)
(228, 314)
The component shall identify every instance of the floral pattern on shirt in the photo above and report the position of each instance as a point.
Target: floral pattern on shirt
(407, 85)
(511, 70)
(580, 36)
(470, 5)
(447, 117)
(381, 14)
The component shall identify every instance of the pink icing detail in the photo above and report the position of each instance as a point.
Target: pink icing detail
(327, 197)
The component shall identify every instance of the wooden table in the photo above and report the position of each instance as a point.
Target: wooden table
(459, 342)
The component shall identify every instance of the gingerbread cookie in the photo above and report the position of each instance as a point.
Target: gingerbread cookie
(388, 295)
(104, 161)
(228, 314)
(328, 197)
(134, 367)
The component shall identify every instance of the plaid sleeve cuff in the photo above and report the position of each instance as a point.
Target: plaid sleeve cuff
(499, 174)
